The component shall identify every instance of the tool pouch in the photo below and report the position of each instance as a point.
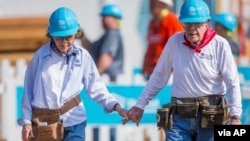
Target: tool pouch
(46, 123)
(214, 114)
(211, 115)
(163, 116)
(187, 110)
(47, 127)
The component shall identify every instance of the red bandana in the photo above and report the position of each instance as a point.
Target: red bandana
(208, 36)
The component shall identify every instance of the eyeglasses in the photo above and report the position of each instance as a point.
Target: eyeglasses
(67, 38)
(195, 25)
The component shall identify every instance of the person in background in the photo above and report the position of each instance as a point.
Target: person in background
(225, 24)
(162, 25)
(107, 51)
(204, 70)
(57, 73)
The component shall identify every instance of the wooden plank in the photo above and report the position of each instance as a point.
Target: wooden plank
(23, 21)
(21, 45)
(22, 33)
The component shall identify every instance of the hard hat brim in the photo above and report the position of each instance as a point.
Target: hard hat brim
(64, 33)
(195, 20)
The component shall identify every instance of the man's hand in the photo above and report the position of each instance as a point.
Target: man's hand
(235, 120)
(134, 114)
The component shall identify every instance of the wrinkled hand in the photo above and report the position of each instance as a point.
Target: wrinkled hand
(121, 112)
(235, 122)
(27, 133)
(134, 114)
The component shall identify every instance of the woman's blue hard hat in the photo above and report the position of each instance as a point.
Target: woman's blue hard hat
(63, 22)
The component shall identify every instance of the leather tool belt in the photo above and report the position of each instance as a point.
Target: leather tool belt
(213, 110)
(46, 123)
(164, 118)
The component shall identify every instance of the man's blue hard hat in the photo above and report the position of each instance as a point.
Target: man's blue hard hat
(228, 20)
(194, 11)
(63, 22)
(111, 10)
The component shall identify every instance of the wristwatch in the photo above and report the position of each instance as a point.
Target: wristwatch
(114, 108)
(235, 117)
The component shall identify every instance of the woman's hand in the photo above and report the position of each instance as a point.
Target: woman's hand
(122, 112)
(27, 133)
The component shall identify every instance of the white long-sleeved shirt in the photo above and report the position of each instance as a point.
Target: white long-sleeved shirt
(52, 79)
(213, 71)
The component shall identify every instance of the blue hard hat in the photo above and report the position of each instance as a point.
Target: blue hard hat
(63, 22)
(111, 10)
(194, 11)
(227, 20)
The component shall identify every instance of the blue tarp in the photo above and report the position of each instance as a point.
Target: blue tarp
(127, 95)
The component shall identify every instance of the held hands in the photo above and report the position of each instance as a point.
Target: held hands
(133, 114)
(121, 111)
(27, 133)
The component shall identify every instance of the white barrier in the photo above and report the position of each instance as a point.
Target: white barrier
(8, 102)
(13, 76)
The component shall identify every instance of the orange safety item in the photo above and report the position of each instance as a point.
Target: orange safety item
(159, 32)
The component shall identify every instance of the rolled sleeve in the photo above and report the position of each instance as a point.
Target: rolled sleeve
(110, 107)
(23, 122)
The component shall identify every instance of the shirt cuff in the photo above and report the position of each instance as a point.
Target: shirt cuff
(23, 122)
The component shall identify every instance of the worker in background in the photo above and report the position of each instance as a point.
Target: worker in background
(162, 25)
(225, 24)
(107, 51)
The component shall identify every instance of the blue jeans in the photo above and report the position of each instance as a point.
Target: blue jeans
(189, 129)
(75, 133)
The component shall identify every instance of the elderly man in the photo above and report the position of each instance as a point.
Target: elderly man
(203, 71)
